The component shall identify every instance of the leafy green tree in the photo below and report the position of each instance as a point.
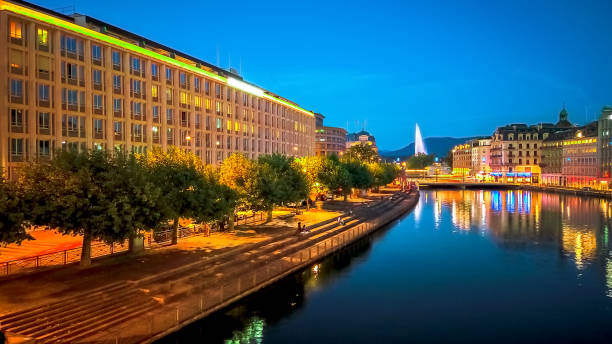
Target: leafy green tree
(335, 177)
(361, 177)
(238, 173)
(13, 218)
(362, 152)
(277, 181)
(188, 189)
(98, 195)
(420, 161)
(312, 166)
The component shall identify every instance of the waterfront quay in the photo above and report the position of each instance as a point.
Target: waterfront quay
(135, 311)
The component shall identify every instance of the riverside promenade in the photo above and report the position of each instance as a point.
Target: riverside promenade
(111, 307)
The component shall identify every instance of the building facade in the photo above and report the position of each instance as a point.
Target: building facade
(76, 82)
(604, 146)
(462, 159)
(580, 160)
(361, 138)
(329, 140)
(481, 156)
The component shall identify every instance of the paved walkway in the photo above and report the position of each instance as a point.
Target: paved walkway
(45, 241)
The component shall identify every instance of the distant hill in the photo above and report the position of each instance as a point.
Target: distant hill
(434, 145)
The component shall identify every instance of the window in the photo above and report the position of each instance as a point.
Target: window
(117, 128)
(169, 94)
(43, 93)
(135, 64)
(96, 52)
(168, 73)
(97, 101)
(73, 123)
(44, 147)
(169, 115)
(43, 65)
(116, 105)
(17, 147)
(154, 70)
(43, 37)
(116, 59)
(43, 120)
(219, 124)
(207, 87)
(97, 77)
(16, 30)
(16, 118)
(196, 82)
(117, 82)
(155, 112)
(69, 44)
(16, 88)
(154, 91)
(184, 98)
(136, 86)
(73, 97)
(137, 108)
(98, 126)
(198, 101)
(183, 78)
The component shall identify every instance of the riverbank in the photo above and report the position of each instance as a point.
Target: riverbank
(135, 310)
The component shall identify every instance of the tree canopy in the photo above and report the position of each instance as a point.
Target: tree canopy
(13, 214)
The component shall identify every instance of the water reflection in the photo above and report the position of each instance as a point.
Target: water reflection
(576, 226)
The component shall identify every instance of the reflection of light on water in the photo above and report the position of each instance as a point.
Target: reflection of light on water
(609, 276)
(315, 269)
(582, 244)
(418, 211)
(252, 333)
(437, 210)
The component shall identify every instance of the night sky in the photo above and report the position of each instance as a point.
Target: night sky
(458, 68)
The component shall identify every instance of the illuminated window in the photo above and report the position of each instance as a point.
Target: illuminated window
(16, 30)
(168, 94)
(184, 98)
(43, 37)
(198, 101)
(207, 104)
(237, 126)
(154, 91)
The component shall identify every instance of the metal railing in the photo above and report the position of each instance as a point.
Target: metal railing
(58, 258)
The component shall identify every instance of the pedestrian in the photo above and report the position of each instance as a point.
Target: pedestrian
(339, 219)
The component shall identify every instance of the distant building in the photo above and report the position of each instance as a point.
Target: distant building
(580, 162)
(462, 159)
(515, 149)
(328, 140)
(604, 146)
(361, 138)
(481, 148)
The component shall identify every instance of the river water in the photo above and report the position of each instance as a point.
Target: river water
(464, 266)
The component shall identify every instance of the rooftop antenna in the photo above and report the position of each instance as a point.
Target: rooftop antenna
(70, 9)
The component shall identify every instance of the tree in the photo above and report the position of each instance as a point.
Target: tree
(362, 152)
(277, 181)
(98, 195)
(238, 172)
(420, 161)
(12, 214)
(335, 177)
(188, 189)
(361, 177)
(312, 167)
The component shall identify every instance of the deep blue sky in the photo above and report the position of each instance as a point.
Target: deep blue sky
(458, 68)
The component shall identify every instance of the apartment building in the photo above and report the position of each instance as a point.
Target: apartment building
(481, 156)
(80, 83)
(328, 140)
(462, 159)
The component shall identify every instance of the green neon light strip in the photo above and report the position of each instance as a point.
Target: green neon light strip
(114, 41)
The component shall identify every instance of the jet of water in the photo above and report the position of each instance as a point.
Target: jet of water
(419, 145)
